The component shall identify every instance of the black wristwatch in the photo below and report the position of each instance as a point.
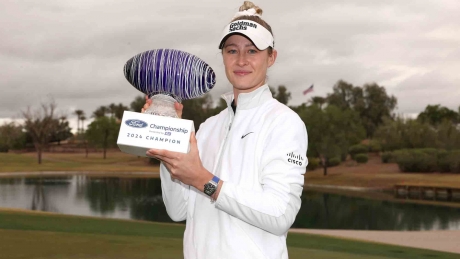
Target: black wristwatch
(211, 186)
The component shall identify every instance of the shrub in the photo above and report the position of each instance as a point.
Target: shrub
(429, 151)
(357, 149)
(334, 161)
(425, 160)
(313, 163)
(374, 146)
(444, 161)
(4, 148)
(387, 157)
(343, 157)
(416, 160)
(453, 159)
(361, 158)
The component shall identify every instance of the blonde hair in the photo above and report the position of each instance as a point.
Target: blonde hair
(248, 5)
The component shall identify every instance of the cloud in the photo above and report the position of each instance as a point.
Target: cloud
(428, 88)
(75, 50)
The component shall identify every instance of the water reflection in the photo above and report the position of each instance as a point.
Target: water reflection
(332, 211)
(136, 198)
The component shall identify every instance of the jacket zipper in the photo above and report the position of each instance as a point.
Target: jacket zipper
(222, 148)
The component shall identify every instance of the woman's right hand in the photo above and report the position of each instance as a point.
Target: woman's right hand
(179, 107)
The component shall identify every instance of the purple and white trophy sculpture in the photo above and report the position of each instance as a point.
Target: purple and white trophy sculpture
(166, 76)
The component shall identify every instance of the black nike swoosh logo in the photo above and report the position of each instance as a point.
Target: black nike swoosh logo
(242, 137)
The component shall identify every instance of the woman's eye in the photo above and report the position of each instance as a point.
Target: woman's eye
(252, 51)
(231, 51)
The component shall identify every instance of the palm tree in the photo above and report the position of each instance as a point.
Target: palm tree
(112, 109)
(79, 113)
(83, 118)
(119, 110)
(100, 112)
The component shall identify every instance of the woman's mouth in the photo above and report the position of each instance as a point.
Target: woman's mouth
(241, 72)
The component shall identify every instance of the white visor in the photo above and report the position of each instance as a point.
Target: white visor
(257, 33)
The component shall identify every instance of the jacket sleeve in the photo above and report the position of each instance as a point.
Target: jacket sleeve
(283, 164)
(175, 195)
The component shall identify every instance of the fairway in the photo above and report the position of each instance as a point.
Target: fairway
(116, 162)
(44, 235)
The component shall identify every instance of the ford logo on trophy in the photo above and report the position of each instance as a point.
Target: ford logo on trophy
(136, 123)
(166, 76)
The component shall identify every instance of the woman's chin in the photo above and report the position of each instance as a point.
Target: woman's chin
(243, 88)
(247, 87)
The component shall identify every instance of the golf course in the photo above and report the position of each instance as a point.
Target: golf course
(51, 235)
(25, 234)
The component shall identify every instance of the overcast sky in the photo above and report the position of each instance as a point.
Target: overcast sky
(74, 50)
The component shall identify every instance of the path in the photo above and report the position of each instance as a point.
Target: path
(440, 240)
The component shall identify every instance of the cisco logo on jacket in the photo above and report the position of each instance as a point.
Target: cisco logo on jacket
(295, 159)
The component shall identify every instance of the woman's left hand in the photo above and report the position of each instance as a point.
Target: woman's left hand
(186, 167)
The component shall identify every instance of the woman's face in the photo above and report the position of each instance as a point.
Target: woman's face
(245, 65)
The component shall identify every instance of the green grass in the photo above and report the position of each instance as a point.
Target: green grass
(43, 235)
(115, 162)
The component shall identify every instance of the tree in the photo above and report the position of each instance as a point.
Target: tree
(11, 136)
(79, 113)
(83, 118)
(377, 105)
(137, 104)
(103, 132)
(198, 109)
(40, 124)
(119, 110)
(345, 96)
(111, 109)
(317, 100)
(331, 131)
(100, 112)
(448, 135)
(62, 131)
(403, 133)
(371, 102)
(282, 95)
(436, 114)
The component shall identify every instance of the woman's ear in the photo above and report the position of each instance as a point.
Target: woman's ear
(272, 58)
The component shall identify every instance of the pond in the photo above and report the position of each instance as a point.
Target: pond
(140, 199)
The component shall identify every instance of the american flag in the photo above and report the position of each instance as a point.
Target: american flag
(309, 89)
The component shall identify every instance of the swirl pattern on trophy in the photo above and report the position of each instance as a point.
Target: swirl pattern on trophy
(171, 72)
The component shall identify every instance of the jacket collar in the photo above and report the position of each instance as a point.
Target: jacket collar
(251, 99)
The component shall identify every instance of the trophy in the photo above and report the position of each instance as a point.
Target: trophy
(166, 76)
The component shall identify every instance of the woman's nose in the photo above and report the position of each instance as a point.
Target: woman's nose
(242, 59)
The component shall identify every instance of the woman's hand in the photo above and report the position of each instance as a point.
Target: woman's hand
(179, 107)
(186, 168)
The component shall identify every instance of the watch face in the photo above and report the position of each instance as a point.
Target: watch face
(209, 189)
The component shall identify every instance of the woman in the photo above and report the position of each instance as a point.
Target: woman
(239, 186)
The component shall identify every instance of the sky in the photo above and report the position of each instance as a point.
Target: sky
(74, 51)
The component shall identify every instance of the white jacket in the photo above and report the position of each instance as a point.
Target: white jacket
(260, 154)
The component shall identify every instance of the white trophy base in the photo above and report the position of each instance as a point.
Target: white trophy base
(140, 132)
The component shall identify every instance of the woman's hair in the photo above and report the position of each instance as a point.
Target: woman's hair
(248, 5)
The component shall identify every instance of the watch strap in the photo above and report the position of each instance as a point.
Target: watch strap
(215, 179)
